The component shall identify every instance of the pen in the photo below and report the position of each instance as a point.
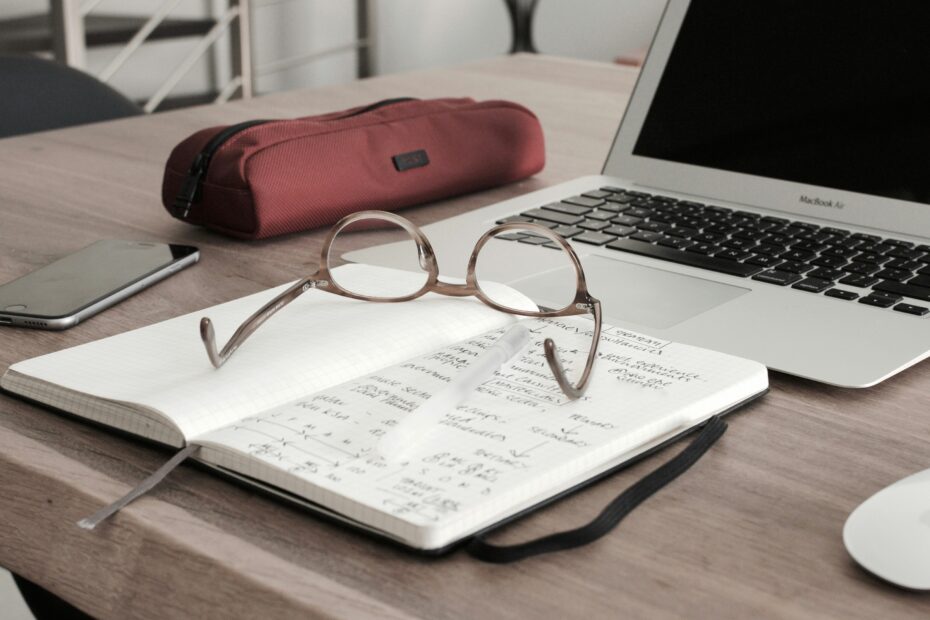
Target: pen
(409, 429)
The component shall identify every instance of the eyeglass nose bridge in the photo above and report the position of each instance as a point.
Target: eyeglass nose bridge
(453, 289)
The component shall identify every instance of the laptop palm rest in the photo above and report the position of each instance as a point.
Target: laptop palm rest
(636, 294)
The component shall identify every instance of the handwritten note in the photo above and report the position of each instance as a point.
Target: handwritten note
(514, 441)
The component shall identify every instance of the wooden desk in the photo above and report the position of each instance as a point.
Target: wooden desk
(753, 530)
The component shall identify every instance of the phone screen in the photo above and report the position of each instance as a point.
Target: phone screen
(86, 277)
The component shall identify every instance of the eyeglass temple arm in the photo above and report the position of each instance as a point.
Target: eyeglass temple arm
(208, 336)
(574, 392)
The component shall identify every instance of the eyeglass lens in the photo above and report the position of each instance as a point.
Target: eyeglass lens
(405, 254)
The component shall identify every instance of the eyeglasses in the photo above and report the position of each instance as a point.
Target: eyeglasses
(422, 251)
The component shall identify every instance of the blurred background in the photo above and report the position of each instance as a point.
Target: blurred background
(287, 44)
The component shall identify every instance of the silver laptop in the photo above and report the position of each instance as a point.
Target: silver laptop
(767, 193)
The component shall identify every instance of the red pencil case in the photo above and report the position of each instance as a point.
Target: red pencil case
(259, 179)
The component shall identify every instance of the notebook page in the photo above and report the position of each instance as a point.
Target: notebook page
(516, 441)
(319, 340)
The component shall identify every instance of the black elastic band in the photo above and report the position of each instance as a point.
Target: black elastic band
(612, 514)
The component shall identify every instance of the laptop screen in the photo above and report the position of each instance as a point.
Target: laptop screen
(834, 93)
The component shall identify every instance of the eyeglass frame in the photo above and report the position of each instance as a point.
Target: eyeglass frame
(583, 302)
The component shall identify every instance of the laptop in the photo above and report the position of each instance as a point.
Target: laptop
(767, 193)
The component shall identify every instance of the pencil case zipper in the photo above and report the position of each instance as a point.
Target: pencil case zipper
(189, 193)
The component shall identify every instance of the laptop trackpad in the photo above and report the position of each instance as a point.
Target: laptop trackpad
(642, 295)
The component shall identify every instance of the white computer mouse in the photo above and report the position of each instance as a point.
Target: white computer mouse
(889, 533)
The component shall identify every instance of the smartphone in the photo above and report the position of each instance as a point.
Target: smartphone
(80, 285)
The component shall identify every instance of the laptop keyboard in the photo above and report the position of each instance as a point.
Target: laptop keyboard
(838, 263)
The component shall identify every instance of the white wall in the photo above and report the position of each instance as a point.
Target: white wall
(410, 34)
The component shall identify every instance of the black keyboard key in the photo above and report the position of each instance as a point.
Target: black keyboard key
(613, 207)
(549, 225)
(596, 193)
(921, 280)
(848, 242)
(706, 237)
(749, 234)
(763, 260)
(626, 220)
(703, 248)
(683, 232)
(620, 198)
(898, 275)
(721, 229)
(876, 248)
(584, 201)
(831, 262)
(782, 240)
(533, 240)
(795, 267)
(897, 288)
(924, 271)
(611, 188)
(839, 232)
(873, 300)
(731, 254)
(638, 194)
(775, 220)
(768, 249)
(839, 250)
(601, 215)
(909, 309)
(871, 257)
(902, 263)
(699, 205)
(567, 231)
(565, 219)
(651, 226)
(515, 218)
(738, 244)
(812, 285)
(865, 237)
(648, 237)
(905, 253)
(511, 236)
(899, 243)
(781, 278)
(863, 268)
(812, 246)
(694, 259)
(825, 273)
(638, 212)
(841, 294)
(674, 242)
(594, 238)
(860, 280)
(564, 207)
(593, 225)
(798, 255)
(619, 231)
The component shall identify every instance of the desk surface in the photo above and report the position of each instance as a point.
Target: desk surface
(753, 530)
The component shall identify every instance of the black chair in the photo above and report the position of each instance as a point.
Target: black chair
(40, 94)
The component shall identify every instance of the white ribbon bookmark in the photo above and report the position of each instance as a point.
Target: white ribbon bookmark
(89, 523)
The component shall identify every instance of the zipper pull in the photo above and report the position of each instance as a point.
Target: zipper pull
(190, 189)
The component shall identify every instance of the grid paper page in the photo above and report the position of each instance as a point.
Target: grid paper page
(515, 442)
(317, 341)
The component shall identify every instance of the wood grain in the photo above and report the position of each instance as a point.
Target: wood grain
(754, 530)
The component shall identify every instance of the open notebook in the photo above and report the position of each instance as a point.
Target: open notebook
(301, 406)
